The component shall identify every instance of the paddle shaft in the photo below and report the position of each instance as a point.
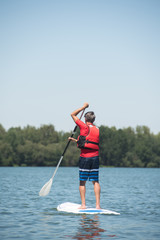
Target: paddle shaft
(66, 147)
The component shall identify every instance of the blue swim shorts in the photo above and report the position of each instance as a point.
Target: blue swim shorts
(89, 169)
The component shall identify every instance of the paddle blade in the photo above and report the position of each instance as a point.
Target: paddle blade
(46, 188)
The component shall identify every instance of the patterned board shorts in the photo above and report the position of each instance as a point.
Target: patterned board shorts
(89, 169)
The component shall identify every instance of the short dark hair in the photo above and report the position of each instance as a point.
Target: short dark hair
(90, 117)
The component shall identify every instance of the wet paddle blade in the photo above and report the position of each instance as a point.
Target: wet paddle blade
(46, 188)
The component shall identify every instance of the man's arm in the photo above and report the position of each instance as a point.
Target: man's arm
(74, 113)
(72, 139)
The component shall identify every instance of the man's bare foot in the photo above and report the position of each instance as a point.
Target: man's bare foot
(98, 207)
(82, 207)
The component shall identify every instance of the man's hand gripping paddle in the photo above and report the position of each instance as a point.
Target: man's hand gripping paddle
(46, 188)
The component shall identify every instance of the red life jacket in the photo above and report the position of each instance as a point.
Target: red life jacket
(90, 141)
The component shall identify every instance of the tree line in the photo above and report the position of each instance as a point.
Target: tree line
(43, 146)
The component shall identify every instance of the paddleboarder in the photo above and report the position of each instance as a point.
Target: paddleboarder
(88, 142)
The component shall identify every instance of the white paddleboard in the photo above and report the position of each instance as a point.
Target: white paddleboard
(74, 208)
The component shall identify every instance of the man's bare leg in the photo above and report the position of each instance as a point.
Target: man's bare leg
(82, 190)
(97, 190)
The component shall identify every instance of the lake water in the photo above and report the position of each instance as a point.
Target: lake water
(134, 192)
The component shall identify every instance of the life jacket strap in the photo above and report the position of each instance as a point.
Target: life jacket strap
(87, 141)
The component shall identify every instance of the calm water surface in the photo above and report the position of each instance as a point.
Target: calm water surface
(133, 192)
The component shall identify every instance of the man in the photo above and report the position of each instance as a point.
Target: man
(88, 141)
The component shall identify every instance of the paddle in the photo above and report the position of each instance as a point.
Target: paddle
(46, 188)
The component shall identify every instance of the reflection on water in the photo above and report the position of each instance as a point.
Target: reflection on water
(89, 228)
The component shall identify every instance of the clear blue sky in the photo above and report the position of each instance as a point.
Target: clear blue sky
(56, 55)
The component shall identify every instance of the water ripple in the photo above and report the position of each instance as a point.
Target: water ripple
(135, 193)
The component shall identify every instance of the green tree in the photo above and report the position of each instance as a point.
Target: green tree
(2, 132)
(44, 146)
(6, 154)
(144, 144)
(48, 134)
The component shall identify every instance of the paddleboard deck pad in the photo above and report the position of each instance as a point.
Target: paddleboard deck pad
(74, 208)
